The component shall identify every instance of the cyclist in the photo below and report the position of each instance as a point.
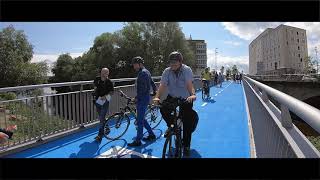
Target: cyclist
(206, 77)
(103, 90)
(144, 81)
(178, 80)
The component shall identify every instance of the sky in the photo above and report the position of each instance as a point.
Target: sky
(50, 39)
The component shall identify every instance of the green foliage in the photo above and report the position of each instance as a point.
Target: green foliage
(153, 41)
(15, 56)
(234, 69)
(8, 96)
(315, 140)
(32, 120)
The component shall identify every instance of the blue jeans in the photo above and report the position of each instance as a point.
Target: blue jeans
(102, 111)
(141, 121)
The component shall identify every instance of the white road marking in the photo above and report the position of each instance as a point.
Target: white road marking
(204, 104)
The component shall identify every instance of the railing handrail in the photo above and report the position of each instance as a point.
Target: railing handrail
(28, 87)
(308, 113)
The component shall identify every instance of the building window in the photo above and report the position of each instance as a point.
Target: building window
(298, 55)
(297, 33)
(298, 48)
(300, 59)
(287, 43)
(298, 40)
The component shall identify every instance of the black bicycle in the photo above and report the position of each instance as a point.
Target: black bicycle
(173, 146)
(205, 90)
(118, 123)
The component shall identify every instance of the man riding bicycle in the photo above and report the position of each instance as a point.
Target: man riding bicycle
(177, 79)
(206, 78)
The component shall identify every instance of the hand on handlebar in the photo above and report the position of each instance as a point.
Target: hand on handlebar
(191, 98)
(156, 101)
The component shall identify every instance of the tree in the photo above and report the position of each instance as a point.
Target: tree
(234, 69)
(228, 71)
(15, 56)
(222, 70)
(309, 65)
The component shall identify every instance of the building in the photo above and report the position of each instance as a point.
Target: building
(281, 50)
(200, 50)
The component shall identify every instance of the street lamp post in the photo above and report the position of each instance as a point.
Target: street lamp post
(216, 53)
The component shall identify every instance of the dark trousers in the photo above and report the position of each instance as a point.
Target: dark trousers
(185, 110)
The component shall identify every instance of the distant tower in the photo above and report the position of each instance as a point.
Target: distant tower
(190, 37)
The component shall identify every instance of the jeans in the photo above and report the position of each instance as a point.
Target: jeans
(141, 121)
(102, 111)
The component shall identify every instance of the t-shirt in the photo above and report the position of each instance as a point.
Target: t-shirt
(177, 82)
(206, 75)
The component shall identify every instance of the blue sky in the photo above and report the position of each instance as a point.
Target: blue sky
(53, 38)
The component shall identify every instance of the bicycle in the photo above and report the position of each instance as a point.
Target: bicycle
(205, 90)
(118, 123)
(173, 144)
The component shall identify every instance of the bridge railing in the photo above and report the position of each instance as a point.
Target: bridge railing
(41, 117)
(274, 133)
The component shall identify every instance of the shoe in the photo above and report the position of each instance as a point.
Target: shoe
(167, 133)
(134, 143)
(98, 138)
(106, 130)
(186, 151)
(149, 138)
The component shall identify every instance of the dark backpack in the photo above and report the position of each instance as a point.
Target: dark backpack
(195, 118)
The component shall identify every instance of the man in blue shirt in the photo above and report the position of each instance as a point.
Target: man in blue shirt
(144, 81)
(177, 80)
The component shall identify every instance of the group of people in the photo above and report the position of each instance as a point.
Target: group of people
(237, 78)
(177, 79)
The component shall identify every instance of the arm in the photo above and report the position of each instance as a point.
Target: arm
(154, 88)
(189, 78)
(163, 86)
(161, 90)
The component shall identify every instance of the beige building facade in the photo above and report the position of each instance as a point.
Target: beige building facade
(200, 50)
(281, 50)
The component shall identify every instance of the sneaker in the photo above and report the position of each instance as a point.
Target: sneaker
(186, 151)
(167, 133)
(106, 130)
(149, 138)
(98, 138)
(134, 143)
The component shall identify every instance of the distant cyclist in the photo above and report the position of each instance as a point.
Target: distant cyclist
(206, 76)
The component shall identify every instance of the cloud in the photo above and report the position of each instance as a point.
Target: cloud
(242, 62)
(250, 30)
(233, 43)
(50, 59)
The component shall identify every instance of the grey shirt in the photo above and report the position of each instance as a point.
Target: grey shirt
(177, 83)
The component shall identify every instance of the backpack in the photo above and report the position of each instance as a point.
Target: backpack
(195, 117)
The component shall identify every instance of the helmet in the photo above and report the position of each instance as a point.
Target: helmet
(137, 60)
(175, 56)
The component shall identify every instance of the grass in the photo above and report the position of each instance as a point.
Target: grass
(32, 121)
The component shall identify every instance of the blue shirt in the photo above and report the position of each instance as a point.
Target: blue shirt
(177, 82)
(144, 81)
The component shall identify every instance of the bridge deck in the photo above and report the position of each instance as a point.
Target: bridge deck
(222, 132)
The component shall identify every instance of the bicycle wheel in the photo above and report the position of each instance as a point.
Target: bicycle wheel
(167, 151)
(153, 116)
(116, 126)
(172, 147)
